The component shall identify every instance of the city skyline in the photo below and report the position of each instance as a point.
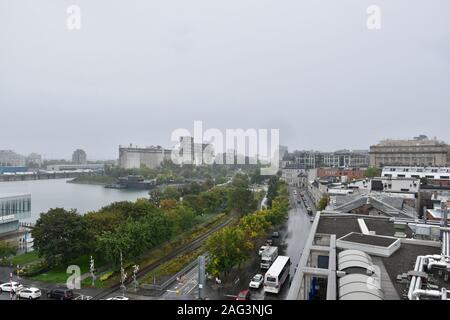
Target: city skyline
(169, 147)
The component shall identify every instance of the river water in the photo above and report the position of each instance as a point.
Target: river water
(53, 193)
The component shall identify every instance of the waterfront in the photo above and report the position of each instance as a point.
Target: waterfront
(46, 194)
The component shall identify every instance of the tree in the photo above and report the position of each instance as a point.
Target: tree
(254, 226)
(193, 202)
(6, 250)
(240, 198)
(226, 249)
(371, 172)
(135, 237)
(136, 210)
(157, 195)
(60, 236)
(280, 206)
(98, 222)
(323, 202)
(213, 200)
(272, 189)
(182, 217)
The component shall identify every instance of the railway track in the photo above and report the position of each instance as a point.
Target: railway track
(186, 248)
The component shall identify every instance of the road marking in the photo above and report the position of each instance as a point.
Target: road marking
(192, 289)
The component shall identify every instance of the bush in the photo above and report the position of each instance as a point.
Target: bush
(106, 276)
(33, 269)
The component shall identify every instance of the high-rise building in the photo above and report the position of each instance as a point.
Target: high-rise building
(195, 153)
(419, 151)
(187, 149)
(79, 157)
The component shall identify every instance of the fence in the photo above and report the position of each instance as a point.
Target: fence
(168, 282)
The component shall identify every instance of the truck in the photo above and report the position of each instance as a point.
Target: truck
(268, 256)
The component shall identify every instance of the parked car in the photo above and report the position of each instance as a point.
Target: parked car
(256, 281)
(118, 298)
(275, 234)
(29, 293)
(243, 295)
(61, 294)
(11, 286)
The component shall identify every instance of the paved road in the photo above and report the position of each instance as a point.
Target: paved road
(294, 236)
(185, 288)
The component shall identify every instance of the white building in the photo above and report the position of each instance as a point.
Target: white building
(294, 176)
(134, 157)
(433, 173)
(387, 184)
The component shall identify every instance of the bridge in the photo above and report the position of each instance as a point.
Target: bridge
(44, 175)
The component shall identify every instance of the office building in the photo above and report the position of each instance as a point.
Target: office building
(13, 207)
(337, 159)
(419, 151)
(79, 157)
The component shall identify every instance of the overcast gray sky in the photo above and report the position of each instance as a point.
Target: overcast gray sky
(138, 69)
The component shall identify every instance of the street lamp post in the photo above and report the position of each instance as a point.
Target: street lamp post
(92, 270)
(11, 283)
(135, 282)
(123, 275)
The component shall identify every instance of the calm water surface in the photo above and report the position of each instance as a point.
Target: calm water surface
(46, 194)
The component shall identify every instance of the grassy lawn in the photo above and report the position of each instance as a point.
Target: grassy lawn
(59, 274)
(25, 258)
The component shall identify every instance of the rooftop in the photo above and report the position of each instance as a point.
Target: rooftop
(374, 240)
(423, 141)
(392, 255)
(13, 195)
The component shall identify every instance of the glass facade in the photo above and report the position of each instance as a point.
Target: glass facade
(12, 209)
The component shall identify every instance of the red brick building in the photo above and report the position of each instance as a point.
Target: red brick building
(350, 173)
